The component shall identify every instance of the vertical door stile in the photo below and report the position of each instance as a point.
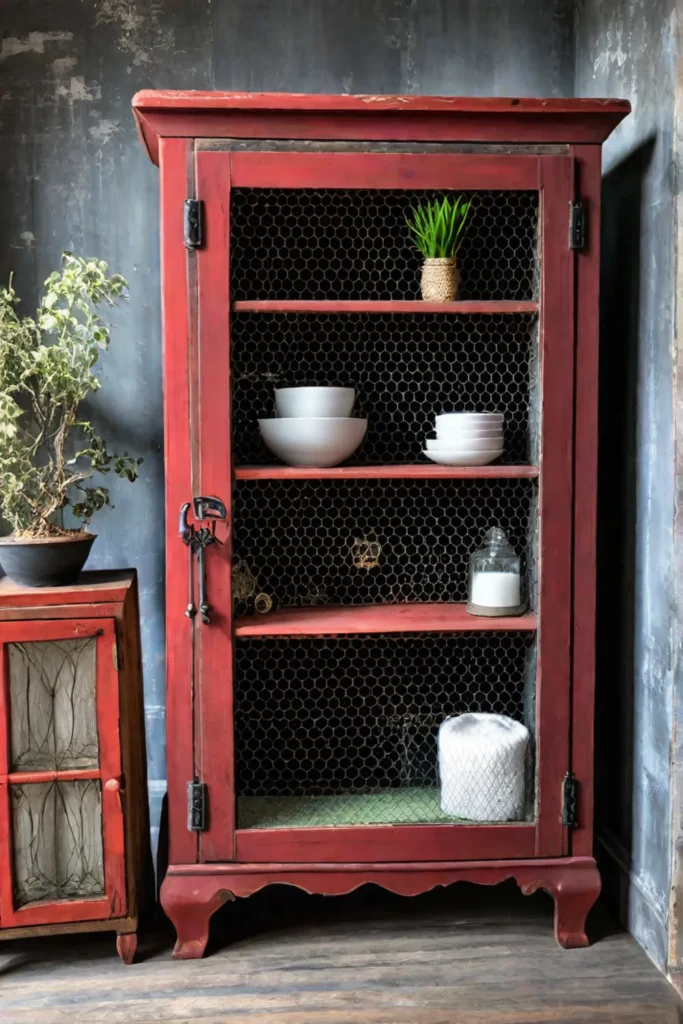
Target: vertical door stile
(6, 903)
(214, 696)
(555, 504)
(177, 327)
(112, 781)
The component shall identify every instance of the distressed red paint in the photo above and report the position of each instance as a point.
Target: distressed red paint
(226, 861)
(102, 606)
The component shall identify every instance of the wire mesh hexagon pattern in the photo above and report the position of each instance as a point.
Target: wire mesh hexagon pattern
(405, 369)
(307, 542)
(343, 730)
(354, 244)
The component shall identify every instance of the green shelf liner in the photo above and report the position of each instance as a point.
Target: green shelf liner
(409, 806)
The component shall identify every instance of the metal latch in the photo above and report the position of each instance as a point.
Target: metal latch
(570, 795)
(196, 806)
(193, 218)
(198, 539)
(577, 226)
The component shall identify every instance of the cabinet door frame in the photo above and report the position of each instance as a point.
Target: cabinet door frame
(114, 902)
(553, 176)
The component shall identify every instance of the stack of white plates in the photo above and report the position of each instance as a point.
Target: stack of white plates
(466, 438)
(313, 426)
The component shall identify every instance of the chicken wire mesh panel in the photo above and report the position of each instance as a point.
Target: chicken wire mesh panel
(405, 370)
(345, 730)
(53, 718)
(306, 542)
(355, 244)
(57, 841)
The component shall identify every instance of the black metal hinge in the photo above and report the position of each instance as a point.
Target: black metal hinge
(570, 793)
(577, 226)
(193, 224)
(196, 806)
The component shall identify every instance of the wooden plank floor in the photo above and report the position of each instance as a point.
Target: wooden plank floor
(460, 956)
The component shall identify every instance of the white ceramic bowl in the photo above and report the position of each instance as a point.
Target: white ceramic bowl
(469, 419)
(313, 440)
(464, 433)
(324, 402)
(463, 458)
(470, 444)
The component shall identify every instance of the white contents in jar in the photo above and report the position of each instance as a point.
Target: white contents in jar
(495, 589)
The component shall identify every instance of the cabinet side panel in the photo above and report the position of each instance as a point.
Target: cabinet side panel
(589, 165)
(176, 334)
(139, 867)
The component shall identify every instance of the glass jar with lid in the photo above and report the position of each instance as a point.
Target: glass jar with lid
(495, 578)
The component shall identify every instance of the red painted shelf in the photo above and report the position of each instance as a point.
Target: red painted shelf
(389, 306)
(398, 472)
(325, 620)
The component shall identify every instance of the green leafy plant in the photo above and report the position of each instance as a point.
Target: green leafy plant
(48, 456)
(437, 226)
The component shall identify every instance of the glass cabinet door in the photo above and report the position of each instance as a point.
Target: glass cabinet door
(61, 818)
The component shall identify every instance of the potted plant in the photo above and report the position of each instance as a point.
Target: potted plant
(48, 455)
(437, 228)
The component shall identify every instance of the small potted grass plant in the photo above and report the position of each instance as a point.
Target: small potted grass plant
(438, 227)
(49, 454)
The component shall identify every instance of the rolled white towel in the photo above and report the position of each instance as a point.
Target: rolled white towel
(481, 767)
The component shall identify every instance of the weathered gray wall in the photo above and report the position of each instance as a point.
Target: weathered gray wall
(74, 176)
(627, 48)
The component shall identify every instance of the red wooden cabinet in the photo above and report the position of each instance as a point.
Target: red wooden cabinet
(303, 713)
(74, 825)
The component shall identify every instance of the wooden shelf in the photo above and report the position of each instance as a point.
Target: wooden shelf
(398, 472)
(325, 620)
(388, 306)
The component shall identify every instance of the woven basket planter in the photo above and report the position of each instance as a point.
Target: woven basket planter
(439, 280)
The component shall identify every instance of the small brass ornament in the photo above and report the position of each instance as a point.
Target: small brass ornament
(366, 552)
(243, 581)
(245, 585)
(262, 604)
(314, 596)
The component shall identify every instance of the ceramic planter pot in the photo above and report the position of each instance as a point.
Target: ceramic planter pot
(45, 561)
(439, 280)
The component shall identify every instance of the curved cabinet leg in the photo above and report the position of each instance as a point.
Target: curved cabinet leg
(126, 945)
(575, 888)
(575, 894)
(189, 903)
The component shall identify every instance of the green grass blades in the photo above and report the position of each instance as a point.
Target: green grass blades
(437, 226)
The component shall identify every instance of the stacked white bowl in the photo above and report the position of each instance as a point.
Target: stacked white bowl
(466, 439)
(313, 426)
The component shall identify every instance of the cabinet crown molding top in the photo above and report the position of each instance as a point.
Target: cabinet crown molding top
(163, 113)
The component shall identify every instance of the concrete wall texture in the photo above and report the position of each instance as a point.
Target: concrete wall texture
(74, 176)
(628, 48)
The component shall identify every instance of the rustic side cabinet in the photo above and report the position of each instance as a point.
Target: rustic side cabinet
(327, 637)
(74, 824)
